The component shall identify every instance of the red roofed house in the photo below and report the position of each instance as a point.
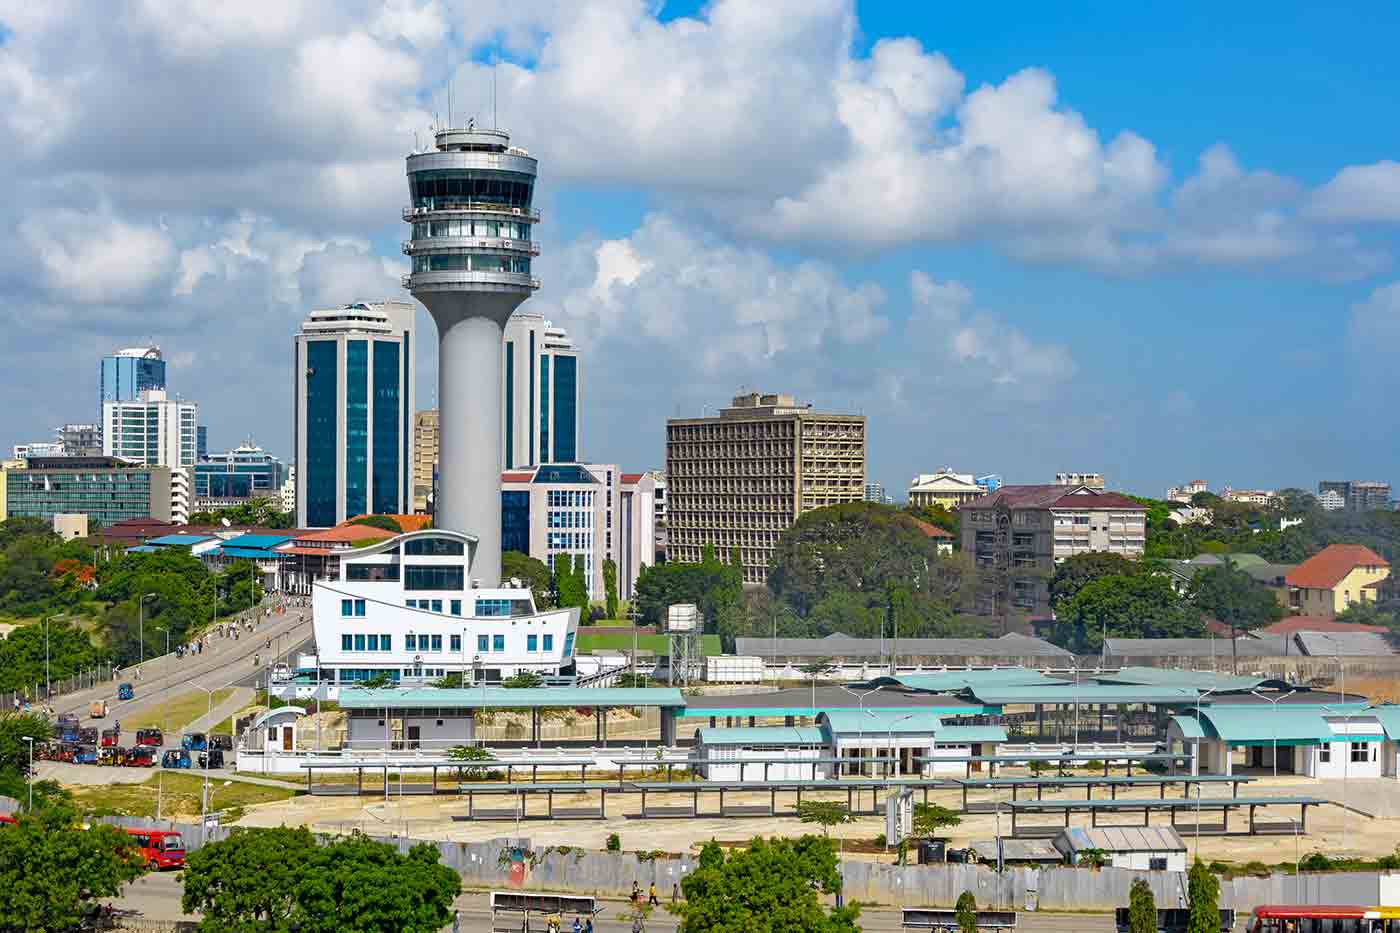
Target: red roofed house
(944, 539)
(1026, 530)
(1334, 578)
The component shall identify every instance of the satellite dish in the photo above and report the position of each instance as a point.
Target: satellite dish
(226, 522)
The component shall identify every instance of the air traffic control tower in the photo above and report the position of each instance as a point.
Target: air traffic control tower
(471, 251)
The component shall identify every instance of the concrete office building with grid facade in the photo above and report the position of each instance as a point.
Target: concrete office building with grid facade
(740, 479)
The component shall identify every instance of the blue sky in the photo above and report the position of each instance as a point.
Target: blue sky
(1019, 239)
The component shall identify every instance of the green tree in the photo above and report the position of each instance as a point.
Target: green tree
(1092, 858)
(22, 655)
(930, 819)
(569, 588)
(51, 870)
(530, 572)
(1203, 898)
(281, 879)
(1142, 908)
(773, 886)
(524, 680)
(386, 522)
(715, 587)
(965, 912)
(580, 577)
(379, 681)
(610, 586)
(14, 751)
(1233, 597)
(1074, 573)
(824, 813)
(1139, 606)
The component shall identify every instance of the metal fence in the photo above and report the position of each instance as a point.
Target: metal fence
(41, 692)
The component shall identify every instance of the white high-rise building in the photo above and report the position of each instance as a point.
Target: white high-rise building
(155, 430)
(540, 420)
(353, 429)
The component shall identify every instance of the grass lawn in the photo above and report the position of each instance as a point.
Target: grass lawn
(180, 795)
(617, 641)
(177, 712)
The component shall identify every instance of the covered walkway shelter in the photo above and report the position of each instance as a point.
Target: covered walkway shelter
(428, 718)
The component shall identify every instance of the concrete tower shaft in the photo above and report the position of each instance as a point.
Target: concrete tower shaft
(471, 251)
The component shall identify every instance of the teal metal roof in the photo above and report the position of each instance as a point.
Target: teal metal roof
(1196, 680)
(503, 698)
(966, 735)
(805, 709)
(1389, 717)
(180, 540)
(1085, 693)
(1265, 724)
(257, 541)
(774, 735)
(855, 722)
(952, 681)
(1190, 727)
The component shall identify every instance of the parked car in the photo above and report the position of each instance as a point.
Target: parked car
(221, 741)
(150, 737)
(194, 742)
(175, 759)
(126, 692)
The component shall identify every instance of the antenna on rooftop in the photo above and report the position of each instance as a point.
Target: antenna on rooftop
(449, 100)
(494, 68)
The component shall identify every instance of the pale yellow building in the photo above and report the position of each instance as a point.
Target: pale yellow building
(425, 456)
(1336, 577)
(944, 488)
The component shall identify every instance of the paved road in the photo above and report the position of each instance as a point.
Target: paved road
(226, 662)
(157, 897)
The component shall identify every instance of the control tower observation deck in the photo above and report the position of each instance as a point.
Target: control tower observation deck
(471, 252)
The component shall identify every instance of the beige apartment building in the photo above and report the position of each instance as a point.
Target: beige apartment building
(425, 455)
(741, 479)
(1018, 533)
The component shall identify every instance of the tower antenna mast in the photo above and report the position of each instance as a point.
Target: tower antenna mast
(495, 64)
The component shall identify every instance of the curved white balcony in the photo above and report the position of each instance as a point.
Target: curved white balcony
(444, 207)
(455, 279)
(457, 243)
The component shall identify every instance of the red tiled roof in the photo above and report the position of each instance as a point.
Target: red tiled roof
(1294, 624)
(518, 476)
(1326, 568)
(932, 531)
(346, 533)
(406, 522)
(630, 478)
(1053, 496)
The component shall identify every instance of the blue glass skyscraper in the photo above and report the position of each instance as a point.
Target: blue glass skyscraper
(127, 373)
(354, 413)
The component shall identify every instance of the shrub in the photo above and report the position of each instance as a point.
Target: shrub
(614, 842)
(1316, 861)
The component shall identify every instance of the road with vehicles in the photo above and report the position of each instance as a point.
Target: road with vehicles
(226, 661)
(157, 897)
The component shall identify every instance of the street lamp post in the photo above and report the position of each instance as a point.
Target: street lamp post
(141, 623)
(1274, 702)
(1196, 758)
(1346, 714)
(166, 630)
(889, 736)
(30, 740)
(860, 698)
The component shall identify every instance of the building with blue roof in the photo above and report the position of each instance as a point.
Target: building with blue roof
(198, 545)
(257, 550)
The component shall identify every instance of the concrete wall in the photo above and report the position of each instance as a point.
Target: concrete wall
(1050, 889)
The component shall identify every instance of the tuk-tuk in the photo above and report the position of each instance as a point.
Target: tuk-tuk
(175, 759)
(125, 692)
(214, 758)
(110, 737)
(108, 756)
(67, 728)
(194, 742)
(85, 755)
(66, 752)
(87, 735)
(221, 741)
(150, 737)
(97, 709)
(141, 757)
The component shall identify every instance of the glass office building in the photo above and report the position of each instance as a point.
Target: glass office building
(127, 373)
(540, 394)
(246, 472)
(105, 489)
(354, 413)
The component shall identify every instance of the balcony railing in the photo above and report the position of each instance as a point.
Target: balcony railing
(441, 205)
(436, 244)
(465, 277)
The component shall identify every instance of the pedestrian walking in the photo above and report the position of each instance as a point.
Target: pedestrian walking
(636, 894)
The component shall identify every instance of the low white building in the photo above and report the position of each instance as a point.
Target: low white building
(1142, 848)
(1315, 741)
(407, 608)
(740, 754)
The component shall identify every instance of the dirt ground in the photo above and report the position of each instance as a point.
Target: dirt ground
(1330, 829)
